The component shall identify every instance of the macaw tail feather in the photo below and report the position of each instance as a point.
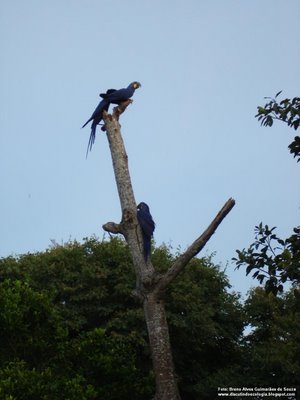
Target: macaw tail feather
(91, 139)
(147, 247)
(86, 123)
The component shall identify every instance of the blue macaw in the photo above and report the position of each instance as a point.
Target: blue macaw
(111, 96)
(147, 225)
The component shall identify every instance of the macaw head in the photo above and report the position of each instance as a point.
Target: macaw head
(135, 85)
(143, 206)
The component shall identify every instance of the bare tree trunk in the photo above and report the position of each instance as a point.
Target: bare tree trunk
(158, 332)
(150, 286)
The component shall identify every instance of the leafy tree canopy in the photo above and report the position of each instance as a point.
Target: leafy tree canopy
(286, 110)
(70, 327)
(272, 260)
(273, 344)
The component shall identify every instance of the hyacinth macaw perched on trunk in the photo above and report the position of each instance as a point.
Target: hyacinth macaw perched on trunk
(147, 225)
(111, 96)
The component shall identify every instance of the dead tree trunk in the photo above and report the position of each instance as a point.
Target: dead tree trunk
(150, 287)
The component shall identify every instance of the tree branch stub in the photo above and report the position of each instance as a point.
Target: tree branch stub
(112, 227)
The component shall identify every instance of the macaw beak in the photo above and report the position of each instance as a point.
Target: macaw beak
(137, 85)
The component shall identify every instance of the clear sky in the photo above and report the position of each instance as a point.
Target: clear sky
(191, 136)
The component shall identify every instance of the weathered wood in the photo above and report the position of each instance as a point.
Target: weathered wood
(112, 227)
(158, 332)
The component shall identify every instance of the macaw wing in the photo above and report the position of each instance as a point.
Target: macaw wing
(146, 222)
(118, 96)
(103, 105)
(109, 91)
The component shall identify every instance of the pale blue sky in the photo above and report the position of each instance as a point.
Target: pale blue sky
(191, 135)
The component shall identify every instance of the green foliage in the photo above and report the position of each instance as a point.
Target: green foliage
(272, 348)
(295, 147)
(86, 281)
(273, 260)
(70, 311)
(19, 382)
(109, 362)
(30, 327)
(273, 345)
(288, 111)
(70, 327)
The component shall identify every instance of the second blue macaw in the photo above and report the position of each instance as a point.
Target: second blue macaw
(147, 225)
(111, 96)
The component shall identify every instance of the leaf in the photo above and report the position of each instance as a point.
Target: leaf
(249, 268)
(260, 110)
(255, 274)
(281, 242)
(280, 288)
(261, 278)
(278, 94)
(269, 121)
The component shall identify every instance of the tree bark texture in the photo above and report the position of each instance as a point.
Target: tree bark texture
(150, 287)
(158, 332)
